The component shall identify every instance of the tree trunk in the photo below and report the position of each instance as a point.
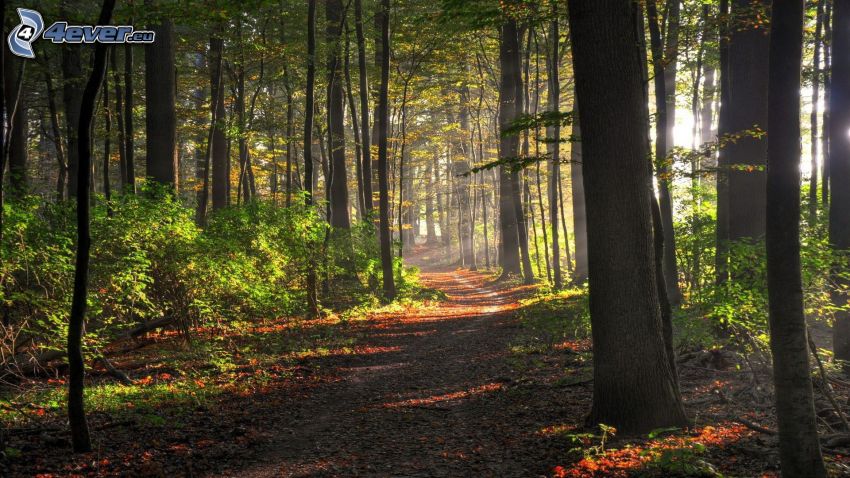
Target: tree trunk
(816, 75)
(555, 145)
(62, 165)
(839, 174)
(119, 117)
(826, 151)
(80, 438)
(161, 119)
(721, 257)
(749, 43)
(218, 149)
(366, 141)
(309, 112)
(509, 107)
(334, 11)
(634, 388)
(17, 135)
(799, 449)
(383, 126)
(579, 214)
(665, 105)
(129, 143)
(72, 74)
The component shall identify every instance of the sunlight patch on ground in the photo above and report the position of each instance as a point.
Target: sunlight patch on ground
(447, 397)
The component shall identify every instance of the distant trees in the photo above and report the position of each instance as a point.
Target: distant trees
(635, 391)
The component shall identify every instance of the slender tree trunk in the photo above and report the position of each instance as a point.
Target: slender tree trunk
(366, 142)
(107, 137)
(555, 148)
(826, 150)
(119, 117)
(721, 258)
(309, 112)
(161, 117)
(129, 143)
(383, 125)
(214, 136)
(80, 438)
(355, 126)
(72, 74)
(816, 76)
(62, 165)
(16, 149)
(665, 105)
(634, 388)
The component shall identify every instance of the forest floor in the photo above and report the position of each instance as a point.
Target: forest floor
(477, 384)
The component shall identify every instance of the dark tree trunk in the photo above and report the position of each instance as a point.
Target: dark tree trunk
(509, 107)
(839, 173)
(816, 81)
(721, 258)
(664, 70)
(383, 126)
(80, 438)
(429, 205)
(72, 90)
(129, 143)
(555, 164)
(107, 141)
(17, 136)
(799, 449)
(215, 139)
(161, 118)
(634, 388)
(366, 141)
(334, 12)
(62, 165)
(218, 149)
(119, 120)
(749, 43)
(309, 112)
(826, 151)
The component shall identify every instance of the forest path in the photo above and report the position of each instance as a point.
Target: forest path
(433, 393)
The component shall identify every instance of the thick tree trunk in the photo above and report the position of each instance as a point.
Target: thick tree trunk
(799, 449)
(382, 120)
(839, 174)
(509, 107)
(749, 43)
(218, 149)
(76, 410)
(161, 117)
(634, 388)
(340, 218)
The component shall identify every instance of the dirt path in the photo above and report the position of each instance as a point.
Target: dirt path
(436, 394)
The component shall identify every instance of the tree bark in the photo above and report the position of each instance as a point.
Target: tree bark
(799, 449)
(816, 76)
(129, 143)
(555, 148)
(509, 108)
(839, 174)
(218, 149)
(309, 112)
(72, 74)
(17, 135)
(365, 141)
(383, 19)
(161, 118)
(665, 106)
(339, 205)
(634, 388)
(80, 438)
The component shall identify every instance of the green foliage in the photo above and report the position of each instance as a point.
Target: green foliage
(151, 262)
